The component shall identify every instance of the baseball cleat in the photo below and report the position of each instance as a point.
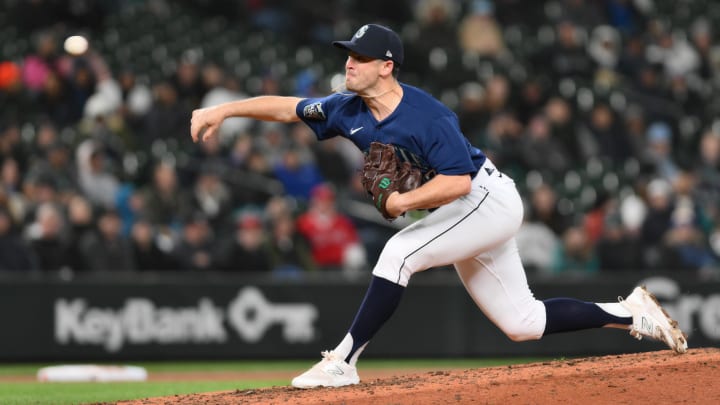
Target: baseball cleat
(331, 371)
(651, 320)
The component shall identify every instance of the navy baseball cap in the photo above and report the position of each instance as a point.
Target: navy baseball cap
(375, 41)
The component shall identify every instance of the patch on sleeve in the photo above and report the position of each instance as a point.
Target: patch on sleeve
(314, 111)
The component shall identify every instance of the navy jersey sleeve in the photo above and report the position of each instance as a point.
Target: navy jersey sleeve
(320, 115)
(447, 150)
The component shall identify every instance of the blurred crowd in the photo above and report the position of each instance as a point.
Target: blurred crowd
(604, 112)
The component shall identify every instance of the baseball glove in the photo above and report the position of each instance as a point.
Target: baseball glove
(384, 173)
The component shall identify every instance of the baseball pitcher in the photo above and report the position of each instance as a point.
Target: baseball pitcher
(417, 158)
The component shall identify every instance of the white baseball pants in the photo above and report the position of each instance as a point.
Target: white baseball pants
(476, 234)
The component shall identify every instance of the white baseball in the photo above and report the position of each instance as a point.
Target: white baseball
(76, 45)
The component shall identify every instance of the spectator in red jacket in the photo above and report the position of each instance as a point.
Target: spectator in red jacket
(333, 238)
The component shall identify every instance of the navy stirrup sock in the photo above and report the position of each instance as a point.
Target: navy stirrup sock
(381, 300)
(568, 314)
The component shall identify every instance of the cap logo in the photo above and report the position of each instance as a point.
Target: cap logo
(361, 31)
(388, 53)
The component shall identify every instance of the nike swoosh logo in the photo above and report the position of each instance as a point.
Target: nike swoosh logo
(353, 130)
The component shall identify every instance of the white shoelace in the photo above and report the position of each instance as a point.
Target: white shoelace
(330, 355)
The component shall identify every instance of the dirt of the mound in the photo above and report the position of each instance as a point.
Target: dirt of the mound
(655, 377)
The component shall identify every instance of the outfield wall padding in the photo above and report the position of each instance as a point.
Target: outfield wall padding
(218, 316)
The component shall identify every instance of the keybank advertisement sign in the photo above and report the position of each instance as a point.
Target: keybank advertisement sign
(270, 326)
(140, 321)
(207, 318)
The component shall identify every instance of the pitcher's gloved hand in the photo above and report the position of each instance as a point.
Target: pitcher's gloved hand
(384, 173)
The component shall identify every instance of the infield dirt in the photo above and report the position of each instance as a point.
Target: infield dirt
(661, 377)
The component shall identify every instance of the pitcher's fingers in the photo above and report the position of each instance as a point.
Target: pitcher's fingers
(210, 131)
(195, 129)
(198, 122)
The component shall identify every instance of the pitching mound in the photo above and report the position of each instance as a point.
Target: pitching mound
(654, 377)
